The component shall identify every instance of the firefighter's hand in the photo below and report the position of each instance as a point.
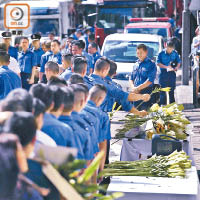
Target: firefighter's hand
(142, 113)
(31, 81)
(135, 90)
(146, 97)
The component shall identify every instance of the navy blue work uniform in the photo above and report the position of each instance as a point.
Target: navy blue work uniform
(102, 122)
(8, 81)
(27, 61)
(44, 60)
(84, 129)
(91, 121)
(81, 137)
(12, 51)
(111, 99)
(89, 61)
(66, 74)
(167, 79)
(61, 133)
(38, 54)
(96, 56)
(89, 81)
(113, 91)
(143, 71)
(57, 58)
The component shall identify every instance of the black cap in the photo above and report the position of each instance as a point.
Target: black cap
(35, 37)
(6, 34)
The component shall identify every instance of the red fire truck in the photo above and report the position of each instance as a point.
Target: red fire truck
(111, 16)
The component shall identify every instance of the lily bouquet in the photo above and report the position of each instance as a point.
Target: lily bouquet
(168, 120)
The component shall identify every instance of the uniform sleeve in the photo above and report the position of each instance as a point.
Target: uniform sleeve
(42, 64)
(34, 60)
(16, 54)
(2, 92)
(132, 76)
(152, 72)
(88, 152)
(116, 92)
(178, 60)
(159, 58)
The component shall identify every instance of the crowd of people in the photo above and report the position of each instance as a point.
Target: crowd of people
(54, 97)
(61, 95)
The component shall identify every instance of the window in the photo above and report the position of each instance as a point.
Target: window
(125, 51)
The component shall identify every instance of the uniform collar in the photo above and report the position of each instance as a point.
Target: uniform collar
(50, 115)
(39, 49)
(4, 67)
(27, 51)
(168, 53)
(96, 54)
(145, 60)
(65, 117)
(90, 102)
(96, 76)
(58, 54)
(108, 78)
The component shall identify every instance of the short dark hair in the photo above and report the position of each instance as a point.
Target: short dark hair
(9, 167)
(143, 47)
(48, 44)
(79, 43)
(79, 64)
(85, 87)
(100, 63)
(68, 99)
(4, 57)
(44, 93)
(57, 97)
(56, 41)
(113, 68)
(23, 125)
(57, 81)
(38, 107)
(96, 91)
(24, 38)
(91, 36)
(67, 57)
(52, 66)
(170, 43)
(94, 45)
(75, 78)
(18, 100)
(77, 88)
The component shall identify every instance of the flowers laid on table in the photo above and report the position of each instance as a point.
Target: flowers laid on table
(168, 120)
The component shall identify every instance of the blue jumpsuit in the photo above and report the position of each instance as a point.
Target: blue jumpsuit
(8, 81)
(143, 71)
(167, 79)
(27, 61)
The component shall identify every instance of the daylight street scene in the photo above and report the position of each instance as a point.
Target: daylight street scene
(99, 99)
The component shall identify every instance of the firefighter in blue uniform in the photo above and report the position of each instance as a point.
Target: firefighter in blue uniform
(37, 50)
(27, 63)
(8, 79)
(56, 56)
(143, 75)
(169, 62)
(12, 51)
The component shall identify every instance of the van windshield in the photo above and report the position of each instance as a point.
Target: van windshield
(125, 51)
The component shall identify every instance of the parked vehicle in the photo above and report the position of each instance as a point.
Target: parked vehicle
(121, 48)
